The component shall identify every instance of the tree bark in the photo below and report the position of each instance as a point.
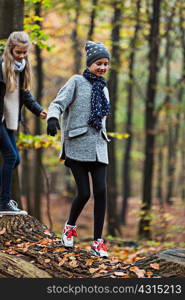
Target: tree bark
(150, 120)
(29, 250)
(38, 178)
(113, 226)
(11, 19)
(128, 143)
(76, 41)
(92, 20)
(19, 268)
(171, 263)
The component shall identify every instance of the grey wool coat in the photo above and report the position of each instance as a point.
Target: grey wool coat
(72, 106)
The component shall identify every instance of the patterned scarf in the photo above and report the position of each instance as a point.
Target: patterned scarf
(99, 104)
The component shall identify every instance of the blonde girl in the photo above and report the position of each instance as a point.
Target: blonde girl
(15, 85)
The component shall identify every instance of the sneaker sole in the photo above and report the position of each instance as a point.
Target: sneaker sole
(67, 247)
(96, 254)
(12, 213)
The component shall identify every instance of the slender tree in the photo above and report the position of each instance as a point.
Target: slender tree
(92, 20)
(129, 114)
(172, 135)
(181, 95)
(75, 40)
(38, 178)
(150, 120)
(113, 226)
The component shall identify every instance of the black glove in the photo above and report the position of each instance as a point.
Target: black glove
(52, 127)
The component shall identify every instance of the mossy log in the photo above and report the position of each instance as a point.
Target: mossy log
(29, 249)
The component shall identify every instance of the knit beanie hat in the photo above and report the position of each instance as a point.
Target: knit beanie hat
(95, 51)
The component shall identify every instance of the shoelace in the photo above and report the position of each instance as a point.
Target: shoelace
(102, 246)
(99, 246)
(71, 232)
(13, 203)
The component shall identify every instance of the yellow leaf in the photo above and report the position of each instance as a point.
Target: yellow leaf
(47, 260)
(89, 262)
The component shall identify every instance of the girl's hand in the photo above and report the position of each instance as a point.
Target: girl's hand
(43, 114)
(53, 126)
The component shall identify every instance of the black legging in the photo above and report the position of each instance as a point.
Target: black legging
(98, 173)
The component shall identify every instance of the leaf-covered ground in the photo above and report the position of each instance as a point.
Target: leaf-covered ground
(167, 225)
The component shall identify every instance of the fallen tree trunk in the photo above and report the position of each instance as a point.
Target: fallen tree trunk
(15, 267)
(28, 249)
(171, 263)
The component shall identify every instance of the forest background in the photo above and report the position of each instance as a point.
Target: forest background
(146, 38)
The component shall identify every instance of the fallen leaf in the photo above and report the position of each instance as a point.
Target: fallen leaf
(10, 251)
(155, 266)
(2, 231)
(89, 262)
(73, 263)
(18, 240)
(8, 243)
(149, 273)
(93, 270)
(59, 249)
(72, 257)
(139, 272)
(44, 241)
(47, 232)
(47, 260)
(119, 273)
(62, 261)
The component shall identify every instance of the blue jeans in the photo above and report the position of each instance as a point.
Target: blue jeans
(11, 159)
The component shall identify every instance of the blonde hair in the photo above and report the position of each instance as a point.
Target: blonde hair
(16, 38)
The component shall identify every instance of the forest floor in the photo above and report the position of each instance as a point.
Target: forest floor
(168, 228)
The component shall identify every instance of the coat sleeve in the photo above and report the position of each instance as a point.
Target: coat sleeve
(63, 99)
(31, 103)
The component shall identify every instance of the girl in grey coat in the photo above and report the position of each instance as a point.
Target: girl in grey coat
(83, 103)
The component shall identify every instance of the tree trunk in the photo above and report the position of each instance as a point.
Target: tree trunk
(38, 178)
(113, 226)
(12, 15)
(171, 263)
(129, 114)
(92, 20)
(75, 40)
(144, 225)
(180, 99)
(172, 136)
(159, 173)
(25, 168)
(29, 250)
(19, 268)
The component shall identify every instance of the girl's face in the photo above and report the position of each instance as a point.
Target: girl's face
(20, 52)
(99, 67)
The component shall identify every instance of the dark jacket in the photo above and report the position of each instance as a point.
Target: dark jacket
(25, 98)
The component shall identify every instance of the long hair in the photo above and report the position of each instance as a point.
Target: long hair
(16, 38)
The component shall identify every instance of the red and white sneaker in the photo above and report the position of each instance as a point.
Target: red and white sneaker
(68, 236)
(98, 248)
